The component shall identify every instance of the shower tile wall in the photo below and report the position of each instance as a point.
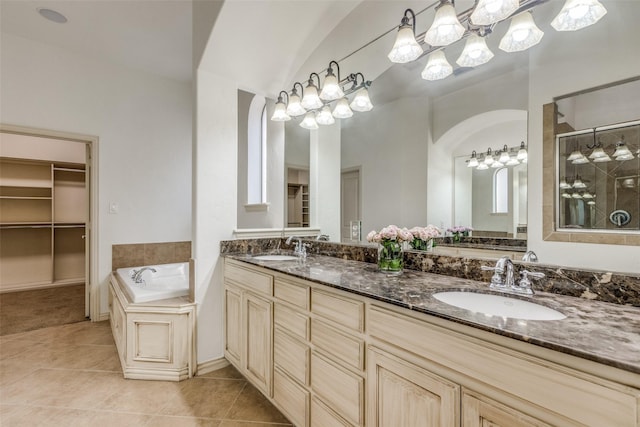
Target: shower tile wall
(137, 254)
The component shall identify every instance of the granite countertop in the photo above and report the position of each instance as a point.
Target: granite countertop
(483, 246)
(599, 331)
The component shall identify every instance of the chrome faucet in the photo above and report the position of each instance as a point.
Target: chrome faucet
(530, 256)
(136, 275)
(300, 248)
(504, 266)
(323, 237)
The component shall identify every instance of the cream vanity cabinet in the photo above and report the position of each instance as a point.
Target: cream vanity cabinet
(344, 360)
(249, 323)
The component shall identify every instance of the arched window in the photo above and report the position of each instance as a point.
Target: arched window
(257, 151)
(501, 191)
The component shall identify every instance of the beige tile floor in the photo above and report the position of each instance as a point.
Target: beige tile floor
(70, 375)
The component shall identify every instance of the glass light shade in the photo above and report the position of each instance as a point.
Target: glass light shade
(324, 116)
(473, 161)
(587, 195)
(563, 184)
(580, 161)
(522, 34)
(625, 157)
(437, 67)
(342, 109)
(597, 153)
(577, 14)
(579, 184)
(361, 101)
(628, 183)
(294, 108)
(280, 113)
(488, 12)
(475, 52)
(309, 121)
(331, 89)
(488, 159)
(566, 195)
(591, 202)
(513, 161)
(621, 150)
(406, 48)
(483, 166)
(522, 154)
(575, 155)
(311, 100)
(576, 196)
(606, 158)
(504, 157)
(497, 164)
(446, 27)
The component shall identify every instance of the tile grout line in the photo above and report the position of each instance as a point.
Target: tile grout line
(234, 401)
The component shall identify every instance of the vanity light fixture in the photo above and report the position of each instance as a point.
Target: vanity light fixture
(280, 112)
(513, 161)
(577, 183)
(475, 52)
(331, 89)
(577, 14)
(473, 162)
(483, 166)
(488, 158)
(563, 184)
(576, 196)
(342, 109)
(437, 67)
(587, 195)
(522, 153)
(487, 12)
(310, 98)
(576, 154)
(622, 150)
(522, 34)
(309, 121)
(294, 107)
(580, 160)
(497, 164)
(504, 155)
(406, 48)
(446, 27)
(361, 101)
(603, 159)
(597, 152)
(566, 195)
(324, 116)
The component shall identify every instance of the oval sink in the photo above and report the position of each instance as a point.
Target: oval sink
(497, 305)
(275, 257)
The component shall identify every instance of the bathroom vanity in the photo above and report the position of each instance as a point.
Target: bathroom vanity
(332, 342)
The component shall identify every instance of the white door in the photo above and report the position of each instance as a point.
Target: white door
(350, 202)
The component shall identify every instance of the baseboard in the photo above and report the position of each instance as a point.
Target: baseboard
(100, 317)
(211, 365)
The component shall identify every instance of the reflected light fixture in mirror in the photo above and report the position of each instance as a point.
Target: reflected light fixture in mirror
(522, 34)
(505, 157)
(406, 48)
(475, 52)
(488, 12)
(309, 121)
(446, 27)
(437, 67)
(578, 14)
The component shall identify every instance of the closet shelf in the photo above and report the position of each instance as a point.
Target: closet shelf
(9, 225)
(27, 197)
(69, 225)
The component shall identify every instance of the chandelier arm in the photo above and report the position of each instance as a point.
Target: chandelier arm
(338, 68)
(311, 78)
(301, 88)
(286, 95)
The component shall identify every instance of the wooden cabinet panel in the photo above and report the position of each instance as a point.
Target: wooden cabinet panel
(291, 355)
(257, 282)
(293, 321)
(292, 398)
(341, 389)
(258, 343)
(336, 308)
(403, 394)
(292, 293)
(322, 416)
(338, 344)
(233, 325)
(488, 413)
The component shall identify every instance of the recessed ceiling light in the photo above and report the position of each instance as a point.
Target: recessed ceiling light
(52, 15)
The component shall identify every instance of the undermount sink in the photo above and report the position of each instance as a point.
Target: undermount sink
(275, 257)
(497, 305)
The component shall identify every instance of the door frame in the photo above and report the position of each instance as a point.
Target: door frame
(92, 289)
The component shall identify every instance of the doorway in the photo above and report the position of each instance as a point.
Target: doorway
(46, 247)
(349, 203)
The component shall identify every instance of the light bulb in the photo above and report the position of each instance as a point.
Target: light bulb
(406, 48)
(437, 67)
(489, 12)
(361, 101)
(522, 34)
(309, 121)
(475, 52)
(578, 14)
(342, 109)
(331, 89)
(324, 116)
(446, 27)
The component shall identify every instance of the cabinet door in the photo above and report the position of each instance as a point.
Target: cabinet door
(233, 325)
(488, 413)
(257, 327)
(403, 394)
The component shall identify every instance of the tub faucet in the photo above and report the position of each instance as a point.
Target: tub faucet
(530, 256)
(504, 267)
(322, 237)
(136, 275)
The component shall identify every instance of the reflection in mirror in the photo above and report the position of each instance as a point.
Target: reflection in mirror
(599, 173)
(296, 159)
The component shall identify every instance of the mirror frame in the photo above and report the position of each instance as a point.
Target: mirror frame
(550, 193)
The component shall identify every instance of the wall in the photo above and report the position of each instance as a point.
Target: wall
(389, 143)
(144, 125)
(590, 57)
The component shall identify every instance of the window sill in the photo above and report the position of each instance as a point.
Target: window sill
(257, 207)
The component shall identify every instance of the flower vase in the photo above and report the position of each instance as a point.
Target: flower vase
(456, 237)
(390, 256)
(422, 245)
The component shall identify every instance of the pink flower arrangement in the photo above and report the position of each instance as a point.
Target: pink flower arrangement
(425, 233)
(459, 229)
(390, 232)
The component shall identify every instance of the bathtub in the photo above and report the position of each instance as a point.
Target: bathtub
(169, 281)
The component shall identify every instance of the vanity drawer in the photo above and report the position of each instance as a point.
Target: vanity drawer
(257, 282)
(292, 321)
(293, 399)
(291, 356)
(338, 344)
(341, 389)
(343, 311)
(321, 416)
(292, 293)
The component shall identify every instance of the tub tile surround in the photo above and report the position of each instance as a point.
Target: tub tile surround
(138, 254)
(610, 287)
(516, 245)
(598, 331)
